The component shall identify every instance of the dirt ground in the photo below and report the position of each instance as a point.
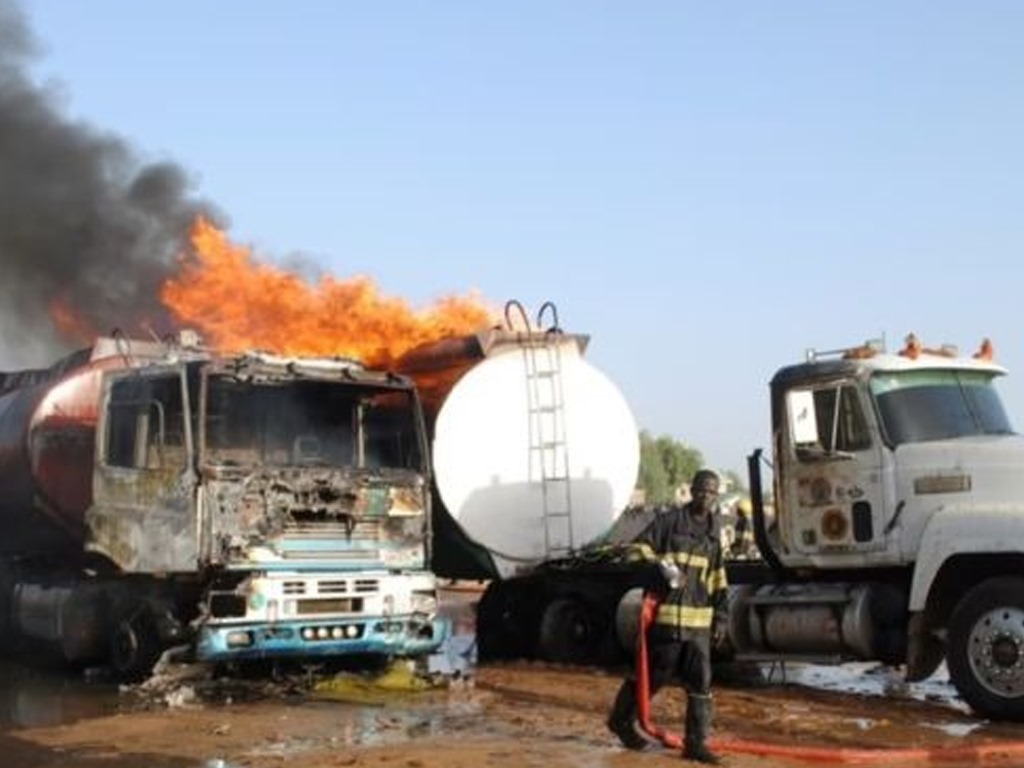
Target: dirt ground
(507, 716)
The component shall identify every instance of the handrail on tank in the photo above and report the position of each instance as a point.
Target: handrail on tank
(547, 308)
(554, 327)
(515, 304)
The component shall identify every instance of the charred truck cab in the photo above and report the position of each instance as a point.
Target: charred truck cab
(253, 506)
(898, 532)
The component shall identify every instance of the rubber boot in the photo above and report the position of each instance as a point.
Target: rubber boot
(622, 719)
(698, 726)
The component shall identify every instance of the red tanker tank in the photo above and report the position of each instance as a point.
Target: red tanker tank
(47, 444)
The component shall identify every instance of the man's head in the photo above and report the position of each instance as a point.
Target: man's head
(704, 491)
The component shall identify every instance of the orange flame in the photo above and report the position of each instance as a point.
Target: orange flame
(70, 324)
(237, 304)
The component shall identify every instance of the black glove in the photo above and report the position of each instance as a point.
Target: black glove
(719, 632)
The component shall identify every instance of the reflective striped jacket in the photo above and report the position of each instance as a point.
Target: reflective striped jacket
(695, 547)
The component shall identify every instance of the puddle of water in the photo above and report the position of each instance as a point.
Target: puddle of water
(873, 679)
(38, 697)
(955, 729)
(870, 679)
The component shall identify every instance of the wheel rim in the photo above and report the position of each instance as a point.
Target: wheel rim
(578, 624)
(568, 632)
(126, 647)
(995, 649)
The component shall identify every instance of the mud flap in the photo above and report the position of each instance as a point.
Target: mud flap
(924, 650)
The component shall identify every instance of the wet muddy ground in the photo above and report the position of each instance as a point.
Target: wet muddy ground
(501, 716)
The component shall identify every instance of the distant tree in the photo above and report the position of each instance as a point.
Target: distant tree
(665, 464)
(653, 479)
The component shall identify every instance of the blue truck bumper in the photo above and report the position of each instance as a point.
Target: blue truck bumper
(391, 636)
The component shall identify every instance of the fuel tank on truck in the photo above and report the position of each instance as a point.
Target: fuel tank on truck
(535, 451)
(47, 444)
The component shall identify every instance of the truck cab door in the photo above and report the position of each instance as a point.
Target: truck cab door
(830, 470)
(143, 512)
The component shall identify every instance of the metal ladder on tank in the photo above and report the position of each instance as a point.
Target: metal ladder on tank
(549, 447)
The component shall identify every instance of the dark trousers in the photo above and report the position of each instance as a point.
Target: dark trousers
(688, 661)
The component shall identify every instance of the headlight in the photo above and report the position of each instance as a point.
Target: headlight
(238, 639)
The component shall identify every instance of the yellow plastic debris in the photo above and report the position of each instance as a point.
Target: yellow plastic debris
(399, 677)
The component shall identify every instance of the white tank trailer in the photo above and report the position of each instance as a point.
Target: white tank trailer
(535, 455)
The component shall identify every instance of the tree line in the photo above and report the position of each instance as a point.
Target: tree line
(666, 464)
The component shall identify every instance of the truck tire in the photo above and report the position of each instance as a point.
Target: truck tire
(570, 631)
(134, 646)
(502, 622)
(985, 654)
(6, 601)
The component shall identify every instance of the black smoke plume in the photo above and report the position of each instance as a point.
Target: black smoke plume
(84, 224)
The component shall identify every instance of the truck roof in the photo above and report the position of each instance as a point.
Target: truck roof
(868, 359)
(188, 347)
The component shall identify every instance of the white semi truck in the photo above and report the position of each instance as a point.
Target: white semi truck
(899, 526)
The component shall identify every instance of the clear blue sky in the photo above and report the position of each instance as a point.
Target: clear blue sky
(707, 189)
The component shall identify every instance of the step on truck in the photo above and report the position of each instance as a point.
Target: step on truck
(243, 506)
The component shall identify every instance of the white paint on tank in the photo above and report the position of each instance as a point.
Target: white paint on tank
(488, 464)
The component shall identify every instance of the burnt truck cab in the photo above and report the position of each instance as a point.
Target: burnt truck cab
(287, 500)
(898, 532)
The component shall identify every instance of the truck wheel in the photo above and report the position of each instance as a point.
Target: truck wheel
(570, 631)
(986, 648)
(499, 623)
(6, 593)
(134, 647)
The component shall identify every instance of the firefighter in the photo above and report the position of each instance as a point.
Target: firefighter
(686, 542)
(743, 542)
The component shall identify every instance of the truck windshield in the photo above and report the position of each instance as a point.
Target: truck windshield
(918, 406)
(310, 423)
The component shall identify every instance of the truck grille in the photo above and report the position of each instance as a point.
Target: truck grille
(337, 605)
(331, 554)
(331, 587)
(363, 537)
(363, 530)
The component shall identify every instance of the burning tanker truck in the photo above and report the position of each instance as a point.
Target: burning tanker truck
(898, 533)
(250, 507)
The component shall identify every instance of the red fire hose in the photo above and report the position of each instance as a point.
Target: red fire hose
(969, 754)
(648, 608)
